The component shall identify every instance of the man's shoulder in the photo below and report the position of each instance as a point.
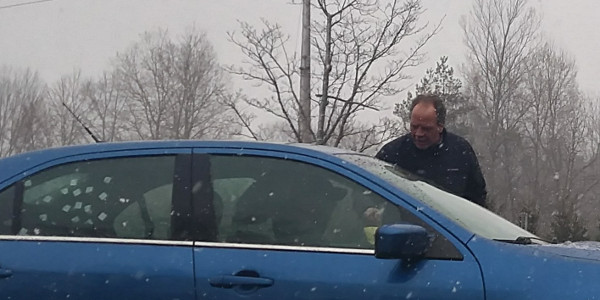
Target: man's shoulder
(398, 142)
(457, 141)
(392, 149)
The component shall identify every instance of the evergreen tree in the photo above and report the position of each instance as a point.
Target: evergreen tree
(567, 226)
(441, 81)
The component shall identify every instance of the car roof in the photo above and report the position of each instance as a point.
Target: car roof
(29, 159)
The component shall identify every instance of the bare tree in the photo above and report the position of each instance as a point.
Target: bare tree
(145, 80)
(500, 35)
(23, 125)
(362, 137)
(174, 89)
(363, 50)
(590, 176)
(556, 137)
(108, 108)
(67, 104)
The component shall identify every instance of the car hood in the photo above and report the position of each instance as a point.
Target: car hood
(533, 271)
(587, 250)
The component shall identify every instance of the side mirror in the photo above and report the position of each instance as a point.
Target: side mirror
(401, 241)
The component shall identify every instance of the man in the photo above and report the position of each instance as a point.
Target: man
(431, 152)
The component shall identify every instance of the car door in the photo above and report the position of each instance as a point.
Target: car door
(302, 228)
(99, 226)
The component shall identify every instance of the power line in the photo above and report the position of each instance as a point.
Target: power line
(24, 3)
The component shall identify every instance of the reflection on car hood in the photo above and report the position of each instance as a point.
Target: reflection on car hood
(583, 250)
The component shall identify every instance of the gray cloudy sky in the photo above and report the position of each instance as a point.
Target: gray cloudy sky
(57, 36)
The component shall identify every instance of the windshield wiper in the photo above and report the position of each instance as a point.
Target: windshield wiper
(524, 240)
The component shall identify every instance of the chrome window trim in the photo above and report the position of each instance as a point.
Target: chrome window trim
(286, 248)
(94, 240)
(184, 243)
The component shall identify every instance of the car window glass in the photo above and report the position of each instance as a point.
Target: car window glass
(117, 198)
(286, 202)
(472, 217)
(227, 191)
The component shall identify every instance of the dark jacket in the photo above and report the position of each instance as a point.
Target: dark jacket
(450, 165)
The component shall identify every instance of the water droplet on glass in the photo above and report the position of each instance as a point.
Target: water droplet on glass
(197, 186)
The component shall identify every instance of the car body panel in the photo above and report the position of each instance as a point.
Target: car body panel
(299, 273)
(76, 269)
(513, 271)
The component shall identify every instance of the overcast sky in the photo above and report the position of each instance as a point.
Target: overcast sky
(54, 37)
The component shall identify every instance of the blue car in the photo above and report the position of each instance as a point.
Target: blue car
(248, 220)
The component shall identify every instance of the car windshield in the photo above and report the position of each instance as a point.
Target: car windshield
(465, 213)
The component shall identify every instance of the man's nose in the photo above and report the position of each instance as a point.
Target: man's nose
(418, 132)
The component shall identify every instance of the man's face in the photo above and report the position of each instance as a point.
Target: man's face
(424, 127)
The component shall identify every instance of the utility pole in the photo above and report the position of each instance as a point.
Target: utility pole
(305, 105)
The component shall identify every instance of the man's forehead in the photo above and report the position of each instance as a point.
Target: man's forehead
(423, 111)
(424, 106)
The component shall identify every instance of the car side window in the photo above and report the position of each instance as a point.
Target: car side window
(286, 202)
(117, 198)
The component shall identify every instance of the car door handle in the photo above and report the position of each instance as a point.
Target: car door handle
(230, 281)
(4, 273)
